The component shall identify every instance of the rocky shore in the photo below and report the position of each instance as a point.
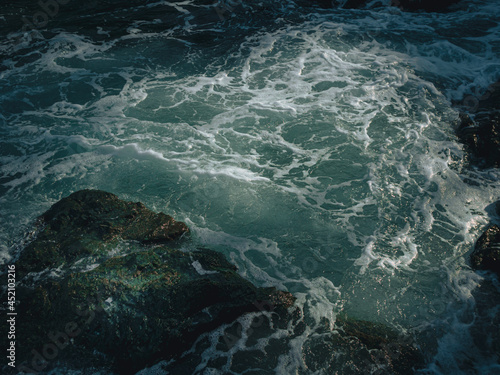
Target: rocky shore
(408, 5)
(479, 127)
(479, 131)
(85, 306)
(106, 285)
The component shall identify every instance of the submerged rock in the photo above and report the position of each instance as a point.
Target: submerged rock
(362, 347)
(397, 353)
(354, 4)
(479, 129)
(406, 5)
(486, 254)
(481, 137)
(425, 5)
(131, 310)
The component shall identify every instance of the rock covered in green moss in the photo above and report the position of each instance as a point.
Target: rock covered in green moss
(144, 307)
(129, 310)
(87, 223)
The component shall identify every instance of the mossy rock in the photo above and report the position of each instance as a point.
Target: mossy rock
(131, 310)
(89, 222)
(140, 308)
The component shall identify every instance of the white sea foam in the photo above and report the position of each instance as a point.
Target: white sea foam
(199, 268)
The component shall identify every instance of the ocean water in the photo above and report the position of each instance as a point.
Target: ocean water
(314, 147)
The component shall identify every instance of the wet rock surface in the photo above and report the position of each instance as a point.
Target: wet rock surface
(153, 301)
(425, 5)
(377, 348)
(132, 309)
(88, 223)
(408, 5)
(352, 347)
(486, 254)
(397, 353)
(479, 127)
(486, 257)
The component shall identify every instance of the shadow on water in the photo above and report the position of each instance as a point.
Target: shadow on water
(28, 27)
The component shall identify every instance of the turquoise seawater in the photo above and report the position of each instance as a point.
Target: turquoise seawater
(314, 147)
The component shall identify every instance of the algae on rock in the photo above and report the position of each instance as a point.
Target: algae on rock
(83, 223)
(130, 310)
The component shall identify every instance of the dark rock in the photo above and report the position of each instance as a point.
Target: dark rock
(397, 352)
(132, 310)
(354, 4)
(154, 302)
(210, 259)
(479, 128)
(362, 347)
(486, 254)
(408, 5)
(140, 308)
(325, 4)
(88, 220)
(424, 5)
(481, 138)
